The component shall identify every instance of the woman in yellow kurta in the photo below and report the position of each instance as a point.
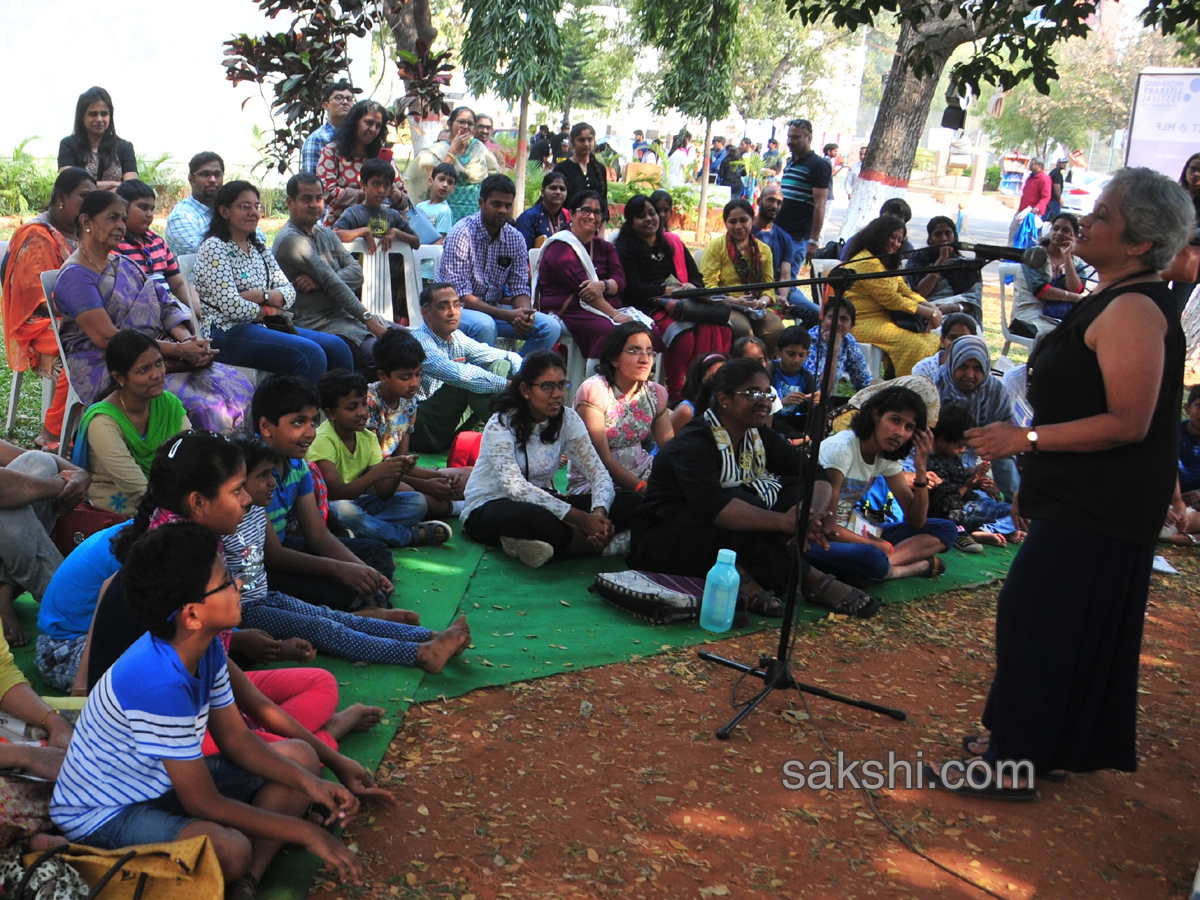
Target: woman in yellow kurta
(875, 300)
(736, 258)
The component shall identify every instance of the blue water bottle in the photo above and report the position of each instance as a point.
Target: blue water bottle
(720, 593)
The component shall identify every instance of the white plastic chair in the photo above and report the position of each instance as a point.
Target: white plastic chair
(416, 283)
(74, 408)
(1013, 269)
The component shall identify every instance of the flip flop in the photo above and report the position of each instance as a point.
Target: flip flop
(856, 603)
(764, 603)
(937, 567)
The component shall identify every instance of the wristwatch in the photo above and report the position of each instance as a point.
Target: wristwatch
(1031, 436)
(367, 317)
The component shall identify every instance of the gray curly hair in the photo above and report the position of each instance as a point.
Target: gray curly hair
(1155, 209)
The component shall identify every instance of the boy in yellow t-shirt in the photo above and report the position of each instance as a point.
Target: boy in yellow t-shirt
(362, 484)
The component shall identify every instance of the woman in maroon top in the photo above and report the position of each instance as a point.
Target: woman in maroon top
(579, 277)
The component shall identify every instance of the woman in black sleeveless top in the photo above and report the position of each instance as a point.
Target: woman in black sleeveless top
(1098, 472)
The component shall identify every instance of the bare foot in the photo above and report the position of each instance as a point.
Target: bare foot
(403, 616)
(13, 632)
(356, 717)
(1017, 537)
(443, 646)
(46, 841)
(297, 650)
(990, 538)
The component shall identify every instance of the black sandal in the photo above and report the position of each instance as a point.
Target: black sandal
(963, 787)
(855, 603)
(1055, 775)
(936, 567)
(764, 603)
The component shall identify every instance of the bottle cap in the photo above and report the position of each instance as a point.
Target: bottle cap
(727, 556)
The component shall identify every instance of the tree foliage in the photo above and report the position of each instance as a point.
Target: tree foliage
(778, 62)
(597, 59)
(697, 45)
(297, 63)
(512, 48)
(1093, 93)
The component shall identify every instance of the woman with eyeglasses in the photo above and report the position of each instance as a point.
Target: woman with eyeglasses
(98, 293)
(623, 409)
(727, 481)
(1189, 179)
(359, 138)
(243, 296)
(580, 279)
(472, 162)
(511, 501)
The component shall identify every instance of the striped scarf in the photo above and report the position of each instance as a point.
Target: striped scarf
(748, 466)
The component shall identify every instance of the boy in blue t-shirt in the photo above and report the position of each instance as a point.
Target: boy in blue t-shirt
(442, 180)
(793, 383)
(350, 574)
(134, 772)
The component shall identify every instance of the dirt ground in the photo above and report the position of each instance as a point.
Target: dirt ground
(610, 783)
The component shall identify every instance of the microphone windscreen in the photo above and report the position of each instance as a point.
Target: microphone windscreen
(1034, 257)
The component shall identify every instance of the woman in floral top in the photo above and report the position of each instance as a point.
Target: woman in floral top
(241, 287)
(511, 500)
(622, 409)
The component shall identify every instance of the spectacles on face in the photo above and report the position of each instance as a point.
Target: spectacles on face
(248, 207)
(754, 395)
(229, 582)
(209, 174)
(466, 123)
(550, 387)
(587, 211)
(342, 98)
(639, 352)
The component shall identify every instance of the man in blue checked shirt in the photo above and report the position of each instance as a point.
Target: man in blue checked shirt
(459, 376)
(486, 260)
(336, 100)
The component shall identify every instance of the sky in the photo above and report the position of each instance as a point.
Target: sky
(159, 59)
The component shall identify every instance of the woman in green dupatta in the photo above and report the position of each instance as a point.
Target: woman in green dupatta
(120, 433)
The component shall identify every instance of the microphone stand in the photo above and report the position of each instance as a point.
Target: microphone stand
(775, 671)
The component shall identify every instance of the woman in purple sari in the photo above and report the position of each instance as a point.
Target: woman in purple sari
(97, 294)
(580, 279)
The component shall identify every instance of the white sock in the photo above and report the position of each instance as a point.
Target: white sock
(456, 507)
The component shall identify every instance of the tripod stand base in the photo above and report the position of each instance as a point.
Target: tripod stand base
(776, 675)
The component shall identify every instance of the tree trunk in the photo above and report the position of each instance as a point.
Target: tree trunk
(903, 110)
(411, 24)
(702, 224)
(522, 156)
(424, 132)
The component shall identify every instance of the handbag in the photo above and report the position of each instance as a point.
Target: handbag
(179, 870)
(76, 526)
(909, 321)
(280, 323)
(702, 313)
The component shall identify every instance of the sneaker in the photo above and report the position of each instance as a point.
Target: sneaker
(534, 554)
(431, 533)
(619, 545)
(968, 544)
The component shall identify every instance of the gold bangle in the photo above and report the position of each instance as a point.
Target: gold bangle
(49, 712)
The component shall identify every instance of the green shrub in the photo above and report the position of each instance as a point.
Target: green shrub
(991, 178)
(25, 182)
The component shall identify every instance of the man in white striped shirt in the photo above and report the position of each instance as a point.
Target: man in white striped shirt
(134, 772)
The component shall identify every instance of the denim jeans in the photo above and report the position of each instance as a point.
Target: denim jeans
(307, 354)
(388, 520)
(483, 328)
(802, 308)
(849, 560)
(982, 511)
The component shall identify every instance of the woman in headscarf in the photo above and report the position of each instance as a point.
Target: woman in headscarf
(965, 379)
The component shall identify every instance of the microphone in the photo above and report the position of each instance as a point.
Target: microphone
(1034, 257)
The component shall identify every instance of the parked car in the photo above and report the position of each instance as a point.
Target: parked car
(1080, 194)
